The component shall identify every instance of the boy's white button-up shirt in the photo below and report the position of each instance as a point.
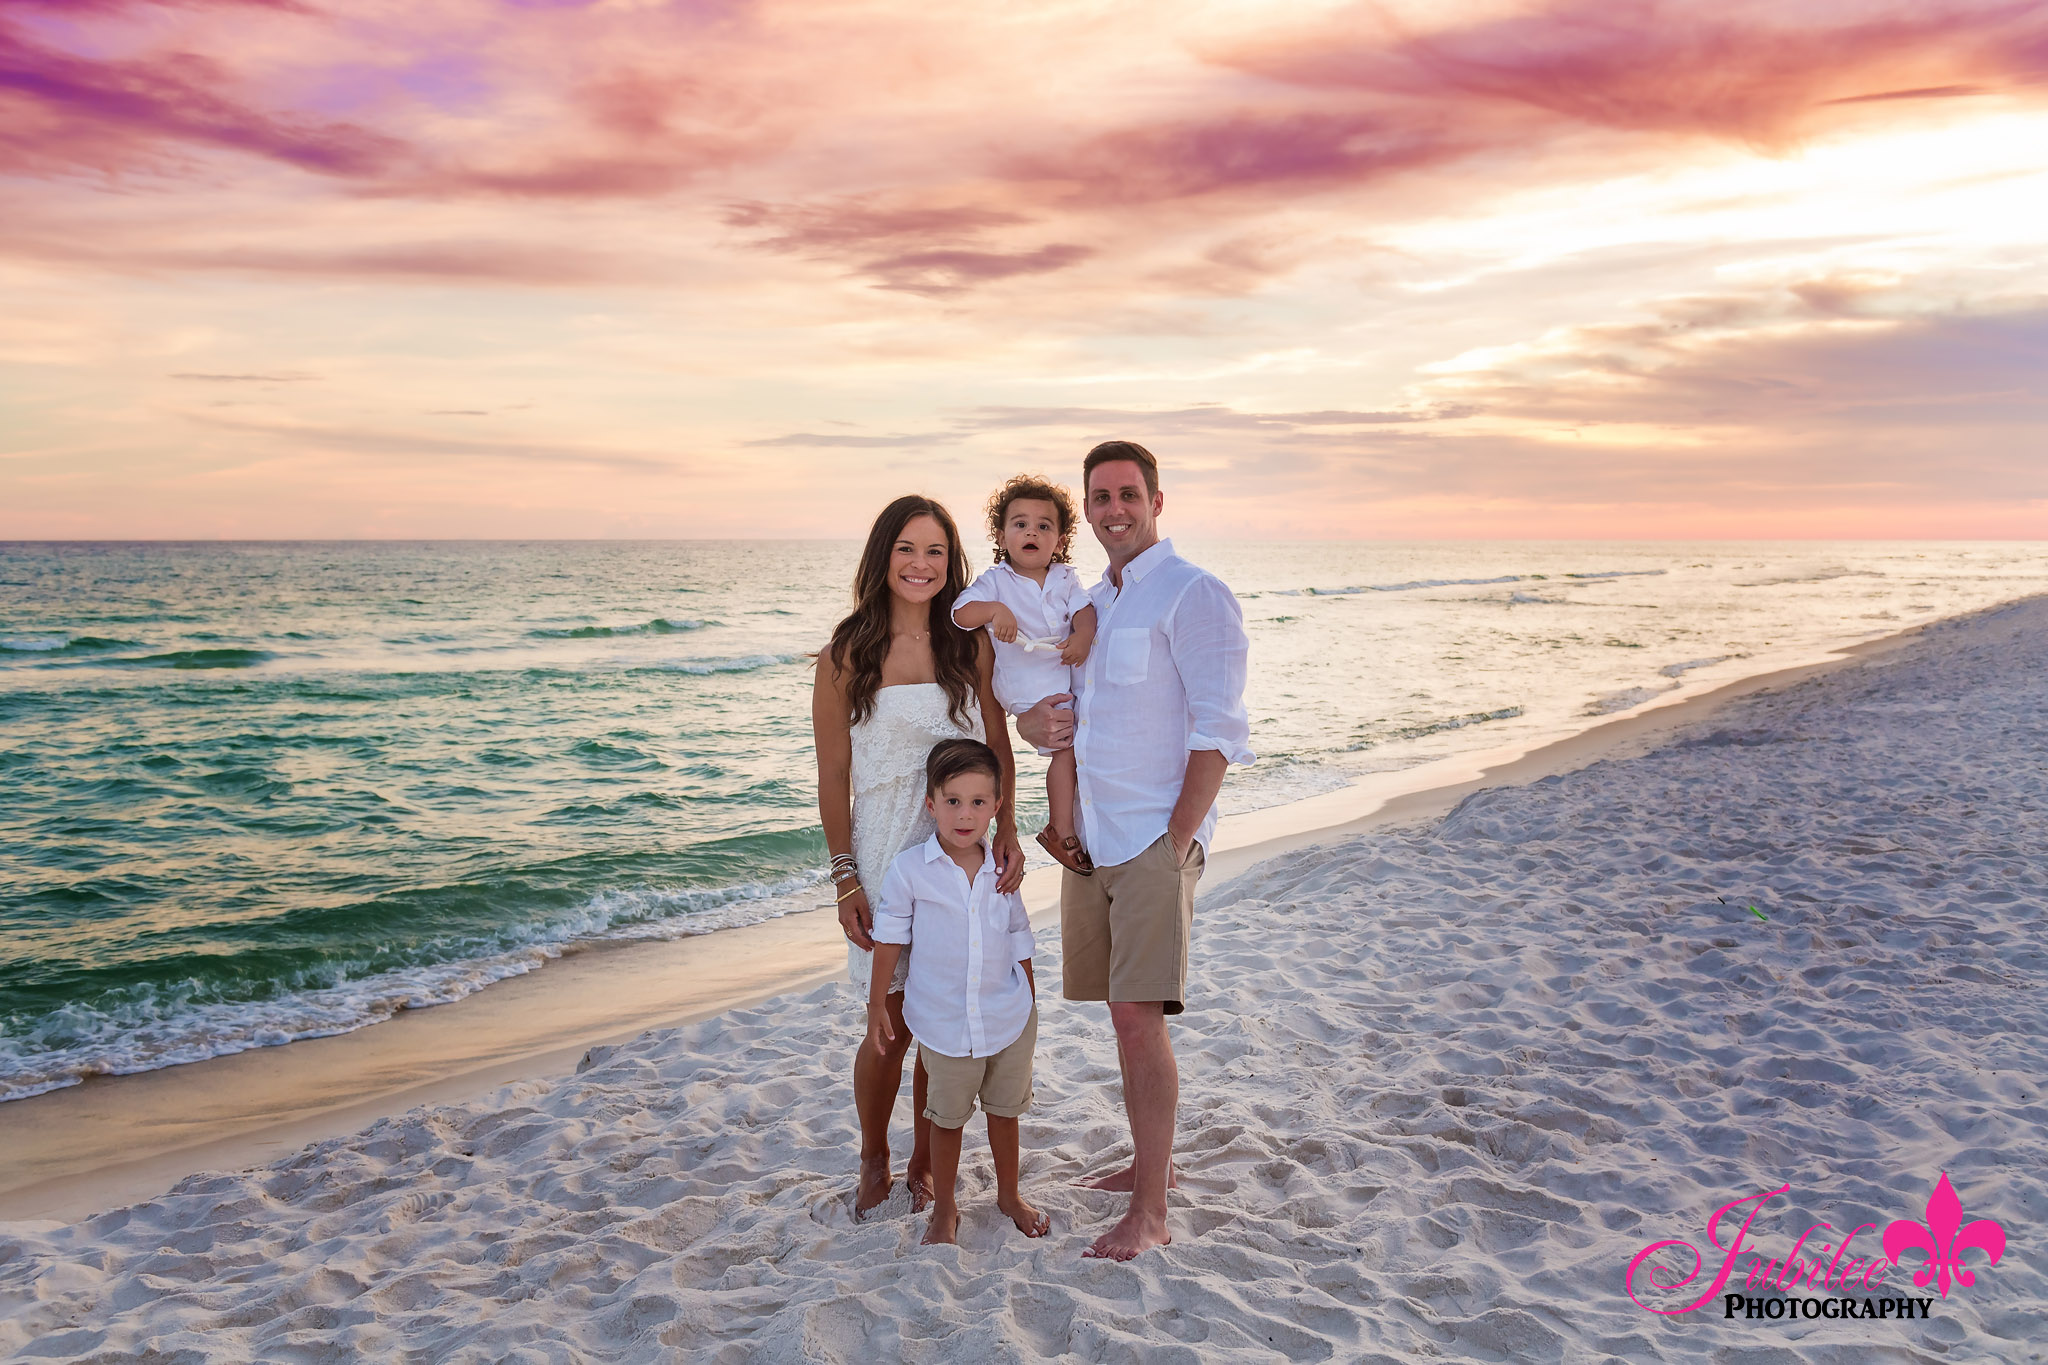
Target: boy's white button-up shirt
(1166, 676)
(1026, 676)
(966, 995)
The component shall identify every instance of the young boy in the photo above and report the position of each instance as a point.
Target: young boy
(970, 1001)
(1034, 603)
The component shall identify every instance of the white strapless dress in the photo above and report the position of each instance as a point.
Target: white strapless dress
(889, 749)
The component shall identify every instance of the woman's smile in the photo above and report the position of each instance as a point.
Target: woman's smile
(917, 563)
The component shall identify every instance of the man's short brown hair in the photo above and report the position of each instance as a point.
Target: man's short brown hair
(1121, 450)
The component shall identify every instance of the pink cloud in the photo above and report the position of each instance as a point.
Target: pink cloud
(1824, 355)
(1276, 150)
(1360, 103)
(417, 446)
(631, 132)
(482, 261)
(59, 111)
(937, 273)
(73, 8)
(1207, 417)
(1937, 415)
(831, 441)
(933, 249)
(589, 115)
(859, 227)
(1738, 70)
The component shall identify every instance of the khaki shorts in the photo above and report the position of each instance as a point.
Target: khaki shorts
(1125, 930)
(1001, 1082)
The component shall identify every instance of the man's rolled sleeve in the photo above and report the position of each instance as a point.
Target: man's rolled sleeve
(892, 908)
(1213, 655)
(1023, 944)
(1076, 598)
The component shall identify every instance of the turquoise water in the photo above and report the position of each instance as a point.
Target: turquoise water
(260, 792)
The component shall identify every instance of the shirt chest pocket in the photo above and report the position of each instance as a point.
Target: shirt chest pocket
(1130, 655)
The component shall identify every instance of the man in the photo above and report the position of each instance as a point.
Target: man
(1159, 714)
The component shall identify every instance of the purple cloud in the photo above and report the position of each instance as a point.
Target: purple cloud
(59, 111)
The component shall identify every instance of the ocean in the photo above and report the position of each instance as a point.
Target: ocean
(270, 791)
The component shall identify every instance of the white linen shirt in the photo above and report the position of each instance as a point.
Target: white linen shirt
(1025, 677)
(1166, 677)
(966, 995)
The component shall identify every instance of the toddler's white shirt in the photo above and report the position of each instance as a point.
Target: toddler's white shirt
(1024, 677)
(966, 996)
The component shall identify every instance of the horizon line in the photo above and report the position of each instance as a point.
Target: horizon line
(855, 540)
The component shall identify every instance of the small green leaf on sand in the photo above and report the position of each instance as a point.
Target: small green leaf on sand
(1759, 914)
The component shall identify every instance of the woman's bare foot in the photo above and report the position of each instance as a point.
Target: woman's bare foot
(919, 1183)
(1123, 1181)
(1137, 1232)
(1029, 1221)
(875, 1184)
(945, 1226)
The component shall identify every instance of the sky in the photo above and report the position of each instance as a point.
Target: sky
(682, 268)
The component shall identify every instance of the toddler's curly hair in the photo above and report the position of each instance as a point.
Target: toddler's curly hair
(1035, 488)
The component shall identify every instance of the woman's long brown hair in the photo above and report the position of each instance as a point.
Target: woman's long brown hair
(861, 642)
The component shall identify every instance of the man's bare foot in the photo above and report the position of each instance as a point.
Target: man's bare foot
(919, 1183)
(945, 1227)
(1029, 1221)
(875, 1184)
(1123, 1181)
(1137, 1232)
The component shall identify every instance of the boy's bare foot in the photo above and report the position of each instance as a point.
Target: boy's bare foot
(919, 1183)
(945, 1227)
(1123, 1181)
(875, 1184)
(1137, 1232)
(1029, 1221)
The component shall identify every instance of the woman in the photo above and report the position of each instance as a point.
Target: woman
(897, 678)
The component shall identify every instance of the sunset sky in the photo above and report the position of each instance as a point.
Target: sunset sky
(1603, 268)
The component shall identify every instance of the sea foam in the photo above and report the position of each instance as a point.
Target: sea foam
(148, 1026)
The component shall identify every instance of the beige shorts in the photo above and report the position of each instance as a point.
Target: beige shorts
(1125, 930)
(1002, 1082)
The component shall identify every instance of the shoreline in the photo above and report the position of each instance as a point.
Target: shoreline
(71, 1150)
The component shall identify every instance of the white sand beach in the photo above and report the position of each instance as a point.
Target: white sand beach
(1442, 1080)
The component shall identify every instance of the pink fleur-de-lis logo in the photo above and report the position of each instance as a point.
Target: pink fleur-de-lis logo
(1939, 1238)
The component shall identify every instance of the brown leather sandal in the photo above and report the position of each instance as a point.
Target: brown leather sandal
(1067, 852)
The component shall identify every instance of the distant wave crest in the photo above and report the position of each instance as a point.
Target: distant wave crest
(197, 658)
(1628, 698)
(1437, 727)
(745, 663)
(1417, 583)
(1679, 669)
(59, 644)
(658, 626)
